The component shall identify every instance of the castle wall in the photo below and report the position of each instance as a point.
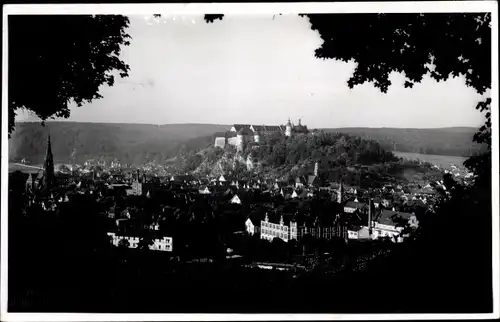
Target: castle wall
(220, 142)
(233, 141)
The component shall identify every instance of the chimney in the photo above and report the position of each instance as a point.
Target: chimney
(316, 169)
(369, 218)
(33, 181)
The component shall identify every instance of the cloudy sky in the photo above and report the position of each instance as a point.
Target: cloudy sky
(256, 69)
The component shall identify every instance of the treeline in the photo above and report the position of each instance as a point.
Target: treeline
(129, 143)
(332, 148)
(140, 143)
(455, 141)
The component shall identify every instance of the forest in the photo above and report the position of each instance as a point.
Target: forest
(140, 143)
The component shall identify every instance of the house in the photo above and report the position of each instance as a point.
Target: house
(204, 190)
(236, 200)
(389, 223)
(313, 181)
(358, 232)
(250, 227)
(252, 224)
(242, 197)
(224, 179)
(386, 203)
(294, 194)
(354, 206)
(300, 182)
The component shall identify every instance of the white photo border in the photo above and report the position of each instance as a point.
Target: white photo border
(248, 9)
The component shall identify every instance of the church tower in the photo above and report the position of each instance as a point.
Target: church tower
(340, 194)
(288, 128)
(48, 168)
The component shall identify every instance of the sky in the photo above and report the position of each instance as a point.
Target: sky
(256, 69)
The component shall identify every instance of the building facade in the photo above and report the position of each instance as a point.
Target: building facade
(270, 230)
(240, 135)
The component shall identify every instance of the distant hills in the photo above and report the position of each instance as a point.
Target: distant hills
(139, 143)
(451, 141)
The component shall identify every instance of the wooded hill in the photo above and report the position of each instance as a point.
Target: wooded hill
(452, 141)
(139, 143)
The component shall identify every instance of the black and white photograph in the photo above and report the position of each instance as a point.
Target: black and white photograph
(250, 161)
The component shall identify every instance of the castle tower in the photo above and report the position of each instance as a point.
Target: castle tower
(316, 169)
(241, 136)
(256, 137)
(48, 168)
(288, 128)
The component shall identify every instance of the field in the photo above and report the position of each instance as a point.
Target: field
(443, 161)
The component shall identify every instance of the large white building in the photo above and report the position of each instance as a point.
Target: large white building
(241, 134)
(270, 230)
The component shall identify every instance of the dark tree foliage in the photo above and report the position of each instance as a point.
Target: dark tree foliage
(454, 43)
(210, 18)
(338, 148)
(67, 58)
(440, 45)
(415, 44)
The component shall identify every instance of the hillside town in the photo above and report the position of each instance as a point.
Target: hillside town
(145, 210)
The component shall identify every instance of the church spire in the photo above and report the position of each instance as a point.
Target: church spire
(48, 167)
(340, 195)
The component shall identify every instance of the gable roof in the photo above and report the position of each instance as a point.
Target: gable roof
(392, 218)
(245, 131)
(258, 128)
(300, 179)
(355, 205)
(236, 199)
(238, 127)
(312, 179)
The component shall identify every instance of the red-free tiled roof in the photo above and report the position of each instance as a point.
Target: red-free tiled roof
(238, 127)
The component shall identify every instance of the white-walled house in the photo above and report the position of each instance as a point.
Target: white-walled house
(352, 206)
(388, 223)
(236, 200)
(358, 232)
(251, 228)
(204, 190)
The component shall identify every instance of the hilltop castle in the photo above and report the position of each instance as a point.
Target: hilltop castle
(241, 134)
